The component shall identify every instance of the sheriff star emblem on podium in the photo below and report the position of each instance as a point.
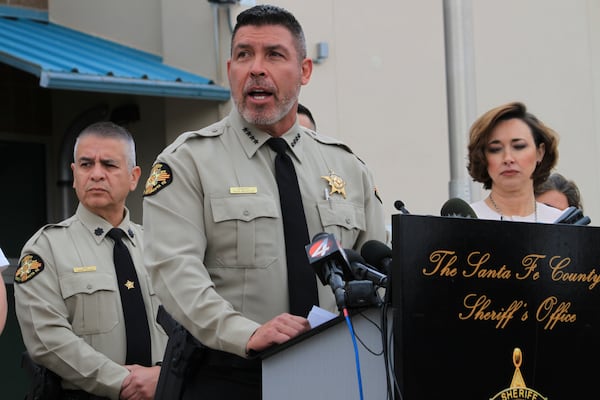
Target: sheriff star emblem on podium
(517, 389)
(336, 184)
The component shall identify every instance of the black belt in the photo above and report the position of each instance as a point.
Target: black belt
(80, 395)
(216, 358)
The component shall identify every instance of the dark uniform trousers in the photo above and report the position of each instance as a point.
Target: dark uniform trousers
(223, 375)
(80, 395)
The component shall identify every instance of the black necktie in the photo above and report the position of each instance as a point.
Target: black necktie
(134, 312)
(302, 284)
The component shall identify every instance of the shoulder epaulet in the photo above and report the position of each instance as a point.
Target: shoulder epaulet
(30, 263)
(328, 140)
(62, 224)
(213, 130)
(331, 141)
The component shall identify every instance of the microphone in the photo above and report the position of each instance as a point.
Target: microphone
(457, 207)
(330, 263)
(573, 216)
(362, 271)
(399, 205)
(583, 221)
(377, 254)
(569, 216)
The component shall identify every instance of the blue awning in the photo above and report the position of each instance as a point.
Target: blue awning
(64, 58)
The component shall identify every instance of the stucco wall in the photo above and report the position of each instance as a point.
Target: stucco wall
(383, 88)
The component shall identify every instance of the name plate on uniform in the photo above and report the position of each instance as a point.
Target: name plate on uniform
(466, 293)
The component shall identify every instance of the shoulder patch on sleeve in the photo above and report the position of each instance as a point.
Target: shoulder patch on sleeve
(160, 177)
(29, 266)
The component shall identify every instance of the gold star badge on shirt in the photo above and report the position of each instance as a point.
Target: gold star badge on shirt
(336, 183)
(129, 285)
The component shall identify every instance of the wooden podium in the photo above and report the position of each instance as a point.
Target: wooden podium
(321, 363)
(467, 292)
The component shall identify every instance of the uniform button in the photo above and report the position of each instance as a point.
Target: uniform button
(246, 213)
(348, 220)
(89, 287)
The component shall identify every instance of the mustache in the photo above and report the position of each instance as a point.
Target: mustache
(259, 82)
(96, 187)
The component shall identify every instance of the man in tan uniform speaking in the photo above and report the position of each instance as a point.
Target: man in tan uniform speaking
(86, 317)
(216, 238)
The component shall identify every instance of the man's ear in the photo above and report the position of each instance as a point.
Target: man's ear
(136, 172)
(307, 67)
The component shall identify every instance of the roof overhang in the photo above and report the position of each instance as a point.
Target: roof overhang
(67, 59)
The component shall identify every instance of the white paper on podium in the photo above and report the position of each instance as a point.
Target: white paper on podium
(3, 261)
(318, 316)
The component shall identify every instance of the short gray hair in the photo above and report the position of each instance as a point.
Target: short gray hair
(107, 129)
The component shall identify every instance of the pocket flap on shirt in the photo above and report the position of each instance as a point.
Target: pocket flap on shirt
(342, 214)
(241, 207)
(86, 282)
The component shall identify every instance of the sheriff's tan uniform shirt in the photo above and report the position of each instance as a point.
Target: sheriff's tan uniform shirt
(69, 307)
(214, 241)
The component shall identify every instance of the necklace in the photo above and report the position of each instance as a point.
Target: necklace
(499, 211)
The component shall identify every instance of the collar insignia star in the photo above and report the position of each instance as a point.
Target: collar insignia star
(129, 285)
(250, 135)
(336, 184)
(296, 140)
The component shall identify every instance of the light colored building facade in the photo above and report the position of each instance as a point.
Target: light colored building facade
(383, 88)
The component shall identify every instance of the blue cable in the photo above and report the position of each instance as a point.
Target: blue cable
(360, 388)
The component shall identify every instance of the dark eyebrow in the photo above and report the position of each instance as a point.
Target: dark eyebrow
(239, 46)
(105, 161)
(496, 141)
(277, 47)
(269, 47)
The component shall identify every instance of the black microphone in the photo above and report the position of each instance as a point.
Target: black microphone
(457, 207)
(399, 205)
(583, 221)
(330, 263)
(569, 216)
(362, 271)
(573, 216)
(378, 255)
